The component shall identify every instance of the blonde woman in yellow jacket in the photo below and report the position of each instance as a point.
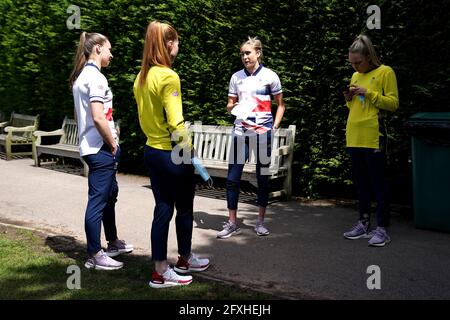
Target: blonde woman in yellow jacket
(372, 90)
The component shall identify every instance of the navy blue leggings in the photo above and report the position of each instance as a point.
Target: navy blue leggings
(369, 174)
(173, 186)
(242, 146)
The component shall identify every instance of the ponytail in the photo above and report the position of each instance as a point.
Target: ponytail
(84, 50)
(79, 60)
(364, 46)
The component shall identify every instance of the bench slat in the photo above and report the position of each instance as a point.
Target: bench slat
(217, 146)
(206, 143)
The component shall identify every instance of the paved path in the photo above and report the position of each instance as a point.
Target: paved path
(304, 257)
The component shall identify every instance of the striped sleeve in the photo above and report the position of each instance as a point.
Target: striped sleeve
(275, 86)
(97, 90)
(232, 89)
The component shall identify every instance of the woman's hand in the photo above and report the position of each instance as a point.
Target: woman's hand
(354, 90)
(231, 103)
(114, 149)
(348, 95)
(358, 91)
(231, 106)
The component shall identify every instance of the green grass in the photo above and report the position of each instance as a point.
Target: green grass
(34, 266)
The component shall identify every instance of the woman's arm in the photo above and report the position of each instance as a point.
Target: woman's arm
(280, 110)
(102, 125)
(171, 94)
(231, 103)
(388, 100)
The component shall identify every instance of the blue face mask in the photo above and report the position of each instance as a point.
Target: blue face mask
(202, 170)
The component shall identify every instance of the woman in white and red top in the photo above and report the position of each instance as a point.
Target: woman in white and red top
(249, 99)
(99, 148)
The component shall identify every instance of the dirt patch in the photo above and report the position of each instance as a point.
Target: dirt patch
(25, 225)
(346, 203)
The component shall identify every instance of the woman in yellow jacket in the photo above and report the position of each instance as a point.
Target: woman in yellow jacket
(157, 92)
(373, 89)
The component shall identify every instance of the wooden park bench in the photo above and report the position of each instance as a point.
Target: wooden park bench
(68, 145)
(17, 133)
(213, 143)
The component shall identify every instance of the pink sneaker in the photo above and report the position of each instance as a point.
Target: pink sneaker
(102, 262)
(117, 247)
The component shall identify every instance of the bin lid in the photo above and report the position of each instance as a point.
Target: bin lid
(432, 127)
(424, 120)
(431, 117)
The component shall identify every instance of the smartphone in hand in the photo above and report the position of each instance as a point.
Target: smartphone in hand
(347, 93)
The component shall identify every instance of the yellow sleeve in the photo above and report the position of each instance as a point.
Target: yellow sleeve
(171, 93)
(389, 100)
(352, 81)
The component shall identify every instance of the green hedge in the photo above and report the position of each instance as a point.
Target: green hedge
(305, 42)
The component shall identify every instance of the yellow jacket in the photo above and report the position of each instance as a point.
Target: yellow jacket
(363, 129)
(160, 108)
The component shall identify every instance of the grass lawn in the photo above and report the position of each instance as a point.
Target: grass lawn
(34, 266)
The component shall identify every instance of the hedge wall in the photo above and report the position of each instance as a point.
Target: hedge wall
(305, 42)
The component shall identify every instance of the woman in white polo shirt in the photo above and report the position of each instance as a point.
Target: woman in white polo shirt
(99, 148)
(249, 99)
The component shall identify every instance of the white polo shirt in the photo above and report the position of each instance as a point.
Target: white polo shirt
(91, 86)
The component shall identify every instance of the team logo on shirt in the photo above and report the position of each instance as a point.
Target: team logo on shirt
(175, 94)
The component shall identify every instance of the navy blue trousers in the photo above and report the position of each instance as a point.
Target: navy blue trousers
(239, 154)
(173, 186)
(369, 174)
(103, 191)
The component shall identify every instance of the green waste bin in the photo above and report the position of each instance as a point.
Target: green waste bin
(430, 138)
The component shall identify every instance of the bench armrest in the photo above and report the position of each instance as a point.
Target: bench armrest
(3, 124)
(283, 151)
(58, 132)
(20, 129)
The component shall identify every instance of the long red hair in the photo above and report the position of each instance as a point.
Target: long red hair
(156, 50)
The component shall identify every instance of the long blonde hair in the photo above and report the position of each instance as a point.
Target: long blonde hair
(156, 51)
(87, 43)
(364, 46)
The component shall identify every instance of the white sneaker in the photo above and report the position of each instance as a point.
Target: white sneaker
(229, 229)
(168, 279)
(261, 230)
(194, 264)
(118, 247)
